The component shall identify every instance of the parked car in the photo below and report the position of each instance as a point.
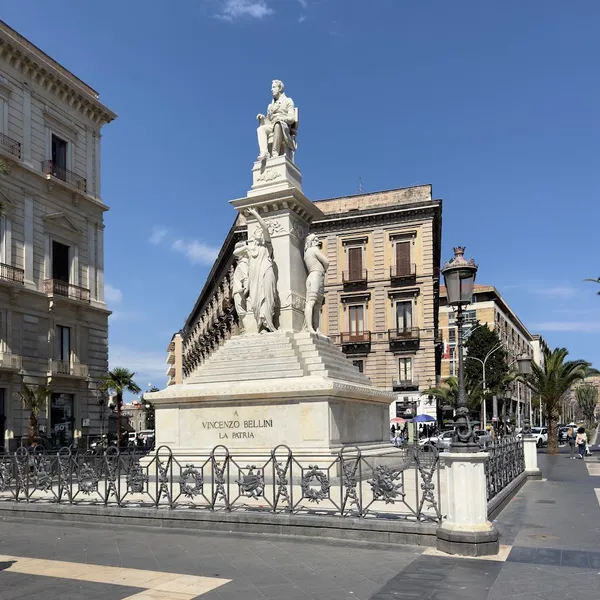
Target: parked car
(483, 438)
(562, 434)
(540, 434)
(442, 441)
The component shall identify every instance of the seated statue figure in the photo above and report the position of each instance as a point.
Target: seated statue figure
(277, 131)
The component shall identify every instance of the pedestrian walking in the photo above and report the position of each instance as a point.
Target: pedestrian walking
(581, 441)
(571, 435)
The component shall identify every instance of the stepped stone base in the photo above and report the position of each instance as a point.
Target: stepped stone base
(258, 391)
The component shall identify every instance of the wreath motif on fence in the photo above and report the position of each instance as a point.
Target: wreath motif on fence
(5, 477)
(191, 482)
(87, 480)
(315, 474)
(384, 485)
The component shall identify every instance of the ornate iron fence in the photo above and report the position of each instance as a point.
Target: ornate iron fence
(402, 484)
(505, 463)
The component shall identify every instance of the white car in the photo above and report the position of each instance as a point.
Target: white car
(441, 441)
(540, 434)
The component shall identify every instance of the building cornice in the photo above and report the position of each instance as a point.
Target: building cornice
(50, 75)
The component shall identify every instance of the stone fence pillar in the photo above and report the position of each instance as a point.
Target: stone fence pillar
(466, 529)
(530, 452)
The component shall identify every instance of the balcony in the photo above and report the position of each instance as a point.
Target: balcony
(404, 339)
(66, 368)
(405, 385)
(355, 279)
(356, 343)
(12, 274)
(403, 274)
(55, 287)
(51, 169)
(10, 146)
(9, 361)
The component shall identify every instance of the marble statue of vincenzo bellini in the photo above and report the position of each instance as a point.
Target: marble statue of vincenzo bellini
(277, 128)
(317, 265)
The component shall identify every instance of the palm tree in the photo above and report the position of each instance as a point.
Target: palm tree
(587, 398)
(551, 383)
(119, 380)
(34, 399)
(594, 281)
(447, 394)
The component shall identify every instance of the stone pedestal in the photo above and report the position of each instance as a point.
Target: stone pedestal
(530, 452)
(466, 530)
(277, 196)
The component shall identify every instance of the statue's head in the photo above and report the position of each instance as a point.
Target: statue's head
(258, 236)
(277, 88)
(312, 240)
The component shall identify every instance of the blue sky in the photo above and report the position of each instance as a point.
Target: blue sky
(494, 103)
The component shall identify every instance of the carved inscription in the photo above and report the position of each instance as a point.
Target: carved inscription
(237, 428)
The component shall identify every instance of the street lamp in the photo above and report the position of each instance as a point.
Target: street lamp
(459, 277)
(524, 366)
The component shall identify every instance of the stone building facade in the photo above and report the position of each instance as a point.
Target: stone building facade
(53, 317)
(381, 292)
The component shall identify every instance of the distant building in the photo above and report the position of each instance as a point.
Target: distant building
(135, 414)
(489, 307)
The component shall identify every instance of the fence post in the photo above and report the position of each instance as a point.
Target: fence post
(530, 453)
(466, 530)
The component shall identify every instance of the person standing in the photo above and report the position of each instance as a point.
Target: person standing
(581, 441)
(571, 435)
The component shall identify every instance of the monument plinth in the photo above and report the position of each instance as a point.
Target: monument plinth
(281, 381)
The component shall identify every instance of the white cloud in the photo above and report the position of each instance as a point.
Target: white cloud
(158, 235)
(303, 3)
(569, 326)
(555, 291)
(147, 366)
(196, 252)
(301, 19)
(234, 9)
(112, 294)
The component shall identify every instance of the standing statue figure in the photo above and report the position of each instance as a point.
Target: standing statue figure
(317, 266)
(240, 281)
(262, 280)
(277, 131)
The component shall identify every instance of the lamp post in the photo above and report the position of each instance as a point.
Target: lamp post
(524, 366)
(507, 399)
(459, 277)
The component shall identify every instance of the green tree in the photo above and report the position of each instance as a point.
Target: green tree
(4, 169)
(587, 399)
(479, 345)
(551, 383)
(34, 398)
(117, 381)
(446, 394)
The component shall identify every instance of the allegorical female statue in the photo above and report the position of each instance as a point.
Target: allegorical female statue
(262, 279)
(317, 266)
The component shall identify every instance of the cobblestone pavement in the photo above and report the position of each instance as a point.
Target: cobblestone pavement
(550, 533)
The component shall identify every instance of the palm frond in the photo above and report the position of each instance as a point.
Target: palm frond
(34, 398)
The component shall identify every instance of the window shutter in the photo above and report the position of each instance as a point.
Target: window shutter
(403, 258)
(355, 263)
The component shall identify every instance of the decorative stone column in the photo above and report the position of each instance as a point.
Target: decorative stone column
(277, 196)
(466, 530)
(530, 451)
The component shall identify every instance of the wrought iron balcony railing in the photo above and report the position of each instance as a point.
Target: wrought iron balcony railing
(403, 272)
(361, 337)
(406, 384)
(10, 146)
(404, 339)
(10, 273)
(51, 168)
(56, 287)
(359, 276)
(67, 367)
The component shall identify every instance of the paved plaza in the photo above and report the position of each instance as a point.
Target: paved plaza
(550, 534)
